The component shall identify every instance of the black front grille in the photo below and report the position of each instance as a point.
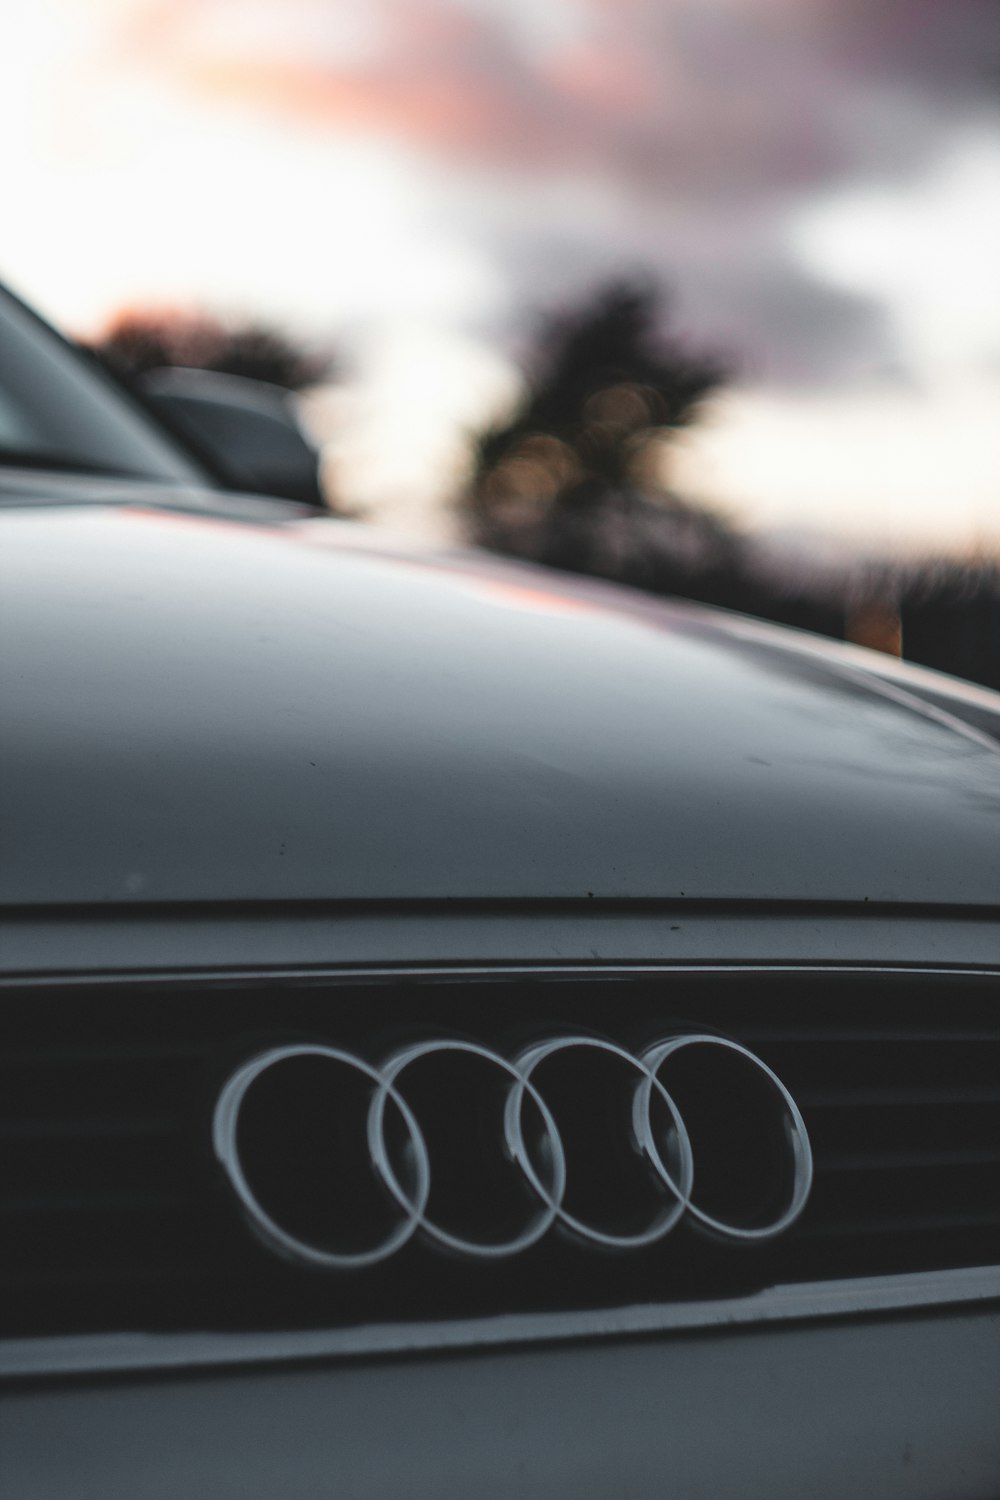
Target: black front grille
(115, 1214)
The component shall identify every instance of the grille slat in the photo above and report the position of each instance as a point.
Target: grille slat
(115, 1214)
(867, 1035)
(94, 1203)
(81, 1129)
(902, 1224)
(89, 1278)
(891, 1161)
(898, 1098)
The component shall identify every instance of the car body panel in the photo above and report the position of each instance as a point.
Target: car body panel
(267, 939)
(874, 1408)
(203, 710)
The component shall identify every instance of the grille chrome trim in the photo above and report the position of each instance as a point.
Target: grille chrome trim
(134, 946)
(99, 1356)
(547, 1199)
(179, 1288)
(224, 1129)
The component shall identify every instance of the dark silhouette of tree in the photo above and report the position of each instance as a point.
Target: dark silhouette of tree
(575, 479)
(139, 341)
(605, 380)
(950, 617)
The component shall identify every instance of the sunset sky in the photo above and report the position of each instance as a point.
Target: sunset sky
(816, 181)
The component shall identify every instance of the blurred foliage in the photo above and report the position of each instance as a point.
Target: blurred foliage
(138, 341)
(576, 480)
(950, 617)
(604, 385)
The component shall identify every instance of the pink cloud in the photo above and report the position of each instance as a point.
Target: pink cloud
(694, 96)
(708, 118)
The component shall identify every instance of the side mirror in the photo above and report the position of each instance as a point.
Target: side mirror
(245, 431)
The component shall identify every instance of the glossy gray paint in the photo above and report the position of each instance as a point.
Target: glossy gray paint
(198, 710)
(38, 1361)
(875, 1409)
(247, 942)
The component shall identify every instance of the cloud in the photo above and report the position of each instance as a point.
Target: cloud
(696, 128)
(812, 179)
(928, 252)
(884, 465)
(735, 286)
(695, 97)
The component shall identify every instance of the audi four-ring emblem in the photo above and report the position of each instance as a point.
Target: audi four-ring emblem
(482, 1155)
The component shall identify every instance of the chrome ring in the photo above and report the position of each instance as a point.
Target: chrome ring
(548, 1199)
(224, 1131)
(795, 1133)
(642, 1130)
(673, 1178)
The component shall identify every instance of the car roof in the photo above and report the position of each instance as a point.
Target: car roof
(205, 710)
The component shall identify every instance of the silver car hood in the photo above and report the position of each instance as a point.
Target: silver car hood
(202, 710)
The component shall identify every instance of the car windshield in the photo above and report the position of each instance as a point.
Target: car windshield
(56, 413)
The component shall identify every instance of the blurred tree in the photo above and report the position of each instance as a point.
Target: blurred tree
(576, 478)
(138, 341)
(950, 616)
